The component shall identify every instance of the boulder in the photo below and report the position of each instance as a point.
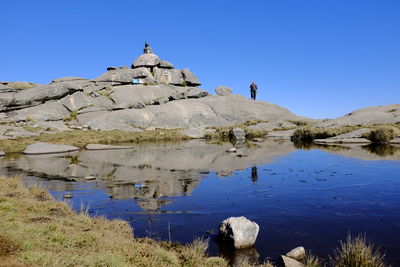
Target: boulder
(237, 134)
(297, 253)
(168, 76)
(223, 90)
(395, 141)
(289, 262)
(146, 60)
(190, 78)
(239, 231)
(125, 76)
(195, 92)
(105, 147)
(165, 65)
(45, 148)
(2, 153)
(50, 111)
(77, 101)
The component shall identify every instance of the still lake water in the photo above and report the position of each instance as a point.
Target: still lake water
(180, 191)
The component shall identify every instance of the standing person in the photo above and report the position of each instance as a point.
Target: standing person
(253, 90)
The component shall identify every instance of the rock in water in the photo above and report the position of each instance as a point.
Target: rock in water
(289, 262)
(238, 134)
(297, 253)
(2, 153)
(45, 148)
(105, 147)
(240, 231)
(223, 90)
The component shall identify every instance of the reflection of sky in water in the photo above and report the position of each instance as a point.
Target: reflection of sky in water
(298, 197)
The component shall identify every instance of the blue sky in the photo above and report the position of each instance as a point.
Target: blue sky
(318, 58)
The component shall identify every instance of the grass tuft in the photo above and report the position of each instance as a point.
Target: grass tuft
(357, 252)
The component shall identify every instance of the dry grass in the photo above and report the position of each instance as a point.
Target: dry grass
(81, 138)
(222, 133)
(37, 231)
(22, 85)
(307, 134)
(357, 252)
(383, 134)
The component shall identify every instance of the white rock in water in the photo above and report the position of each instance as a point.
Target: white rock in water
(2, 153)
(231, 150)
(239, 230)
(289, 262)
(297, 253)
(45, 148)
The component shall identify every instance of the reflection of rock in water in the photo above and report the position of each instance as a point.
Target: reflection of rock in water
(152, 204)
(151, 171)
(236, 257)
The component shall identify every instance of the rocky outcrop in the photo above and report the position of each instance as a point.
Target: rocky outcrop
(204, 112)
(366, 116)
(151, 94)
(239, 231)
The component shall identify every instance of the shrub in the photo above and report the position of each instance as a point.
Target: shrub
(357, 252)
(382, 135)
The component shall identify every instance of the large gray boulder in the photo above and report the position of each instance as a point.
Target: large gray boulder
(49, 111)
(126, 75)
(46, 148)
(165, 64)
(297, 253)
(195, 92)
(223, 90)
(168, 76)
(190, 78)
(146, 60)
(238, 134)
(239, 231)
(77, 101)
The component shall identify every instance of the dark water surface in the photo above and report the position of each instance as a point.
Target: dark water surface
(181, 191)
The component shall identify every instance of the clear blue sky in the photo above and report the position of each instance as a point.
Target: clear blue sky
(318, 58)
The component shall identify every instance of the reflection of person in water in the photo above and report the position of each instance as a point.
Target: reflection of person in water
(254, 174)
